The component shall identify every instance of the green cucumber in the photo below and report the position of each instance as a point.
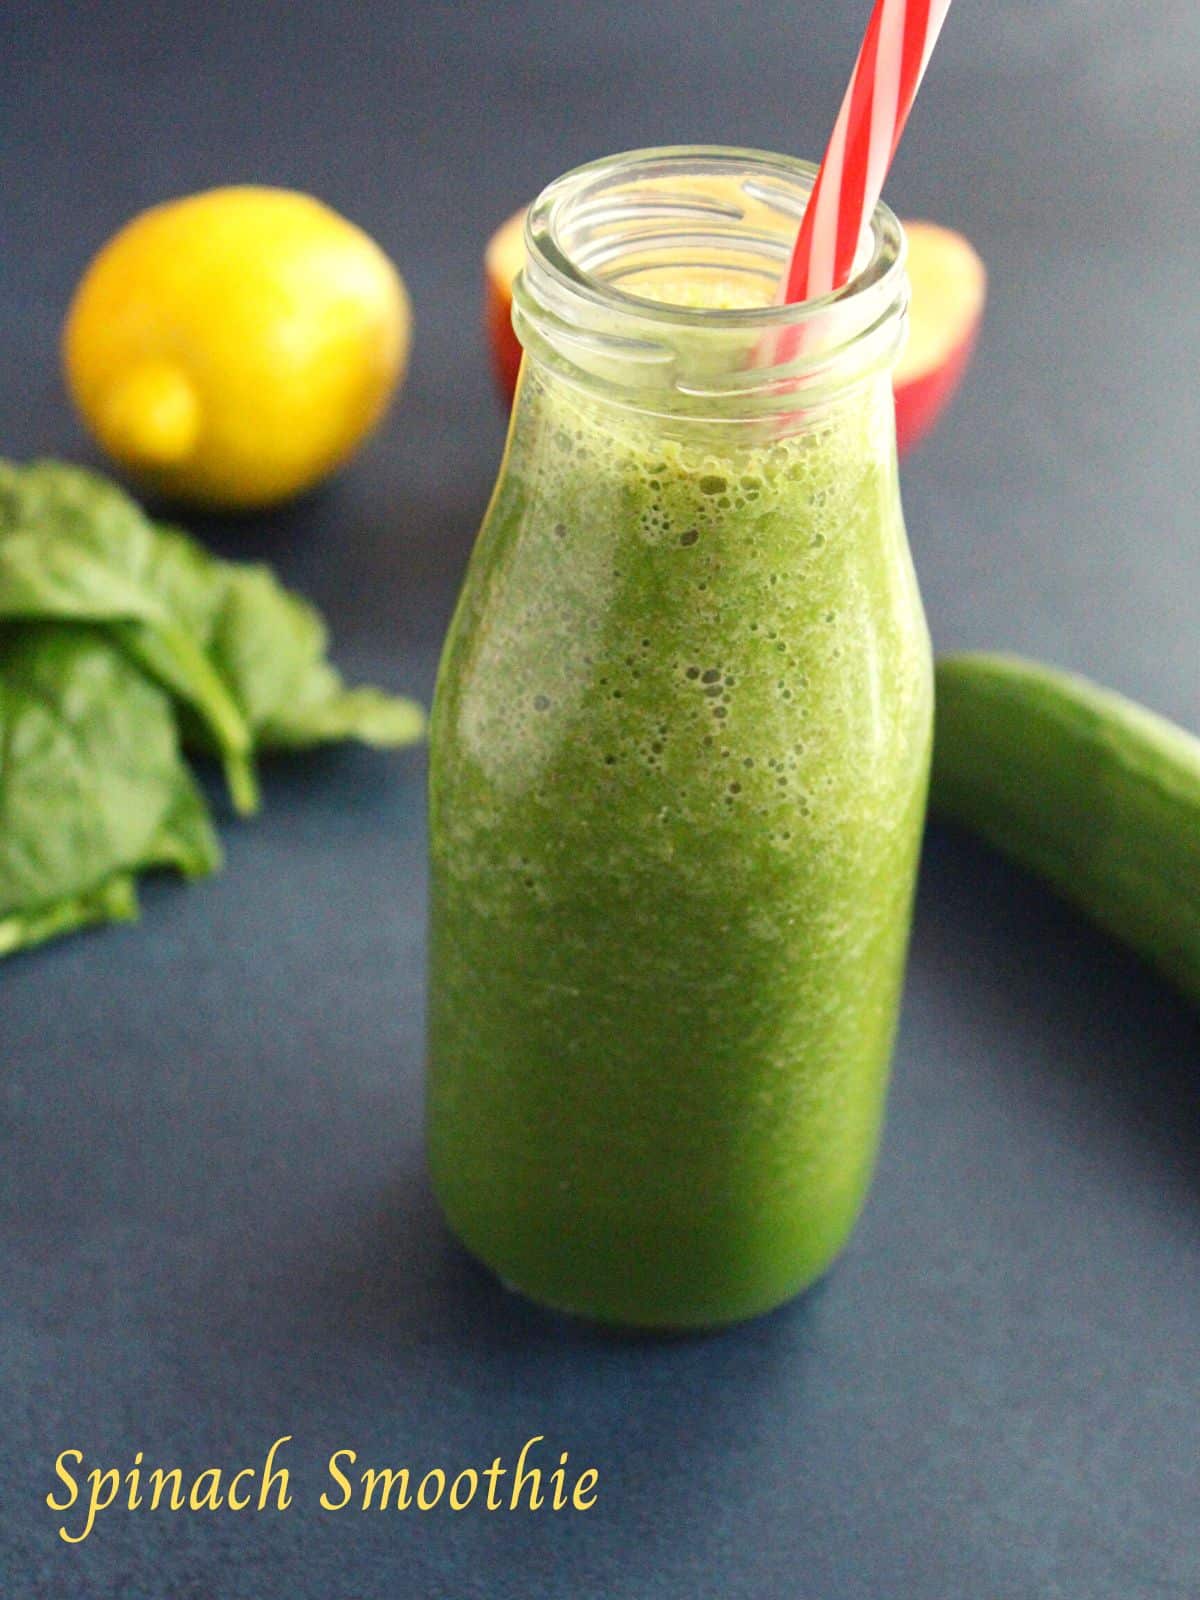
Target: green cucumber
(1094, 793)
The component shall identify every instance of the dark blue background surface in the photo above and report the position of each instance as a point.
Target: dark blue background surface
(216, 1227)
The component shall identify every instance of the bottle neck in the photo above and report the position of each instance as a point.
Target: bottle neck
(648, 286)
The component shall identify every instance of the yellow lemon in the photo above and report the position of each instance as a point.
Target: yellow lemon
(233, 347)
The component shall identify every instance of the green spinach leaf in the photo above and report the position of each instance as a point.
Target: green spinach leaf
(73, 547)
(93, 787)
(245, 656)
(114, 901)
(120, 638)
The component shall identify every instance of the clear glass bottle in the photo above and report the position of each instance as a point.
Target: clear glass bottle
(679, 759)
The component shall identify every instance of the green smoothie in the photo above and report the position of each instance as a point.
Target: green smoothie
(680, 750)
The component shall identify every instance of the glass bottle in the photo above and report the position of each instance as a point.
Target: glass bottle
(679, 758)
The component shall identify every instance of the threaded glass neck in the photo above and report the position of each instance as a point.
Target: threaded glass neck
(650, 278)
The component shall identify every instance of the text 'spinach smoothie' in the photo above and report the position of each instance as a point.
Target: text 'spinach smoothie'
(680, 752)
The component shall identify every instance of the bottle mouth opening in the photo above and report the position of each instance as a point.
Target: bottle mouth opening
(658, 269)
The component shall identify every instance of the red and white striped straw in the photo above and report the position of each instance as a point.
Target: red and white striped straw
(891, 63)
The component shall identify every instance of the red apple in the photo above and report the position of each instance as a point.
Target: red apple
(504, 258)
(949, 286)
(948, 290)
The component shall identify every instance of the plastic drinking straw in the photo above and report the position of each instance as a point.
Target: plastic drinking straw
(891, 63)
